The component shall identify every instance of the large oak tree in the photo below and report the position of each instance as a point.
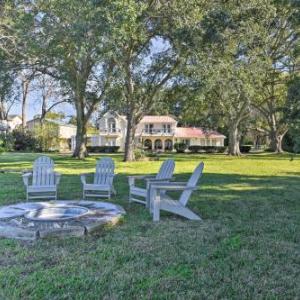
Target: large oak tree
(149, 50)
(69, 43)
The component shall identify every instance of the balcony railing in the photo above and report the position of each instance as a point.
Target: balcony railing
(110, 130)
(158, 132)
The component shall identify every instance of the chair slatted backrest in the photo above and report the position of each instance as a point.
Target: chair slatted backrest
(185, 196)
(43, 172)
(166, 170)
(104, 171)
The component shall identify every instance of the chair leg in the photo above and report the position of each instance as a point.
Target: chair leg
(129, 198)
(114, 190)
(156, 206)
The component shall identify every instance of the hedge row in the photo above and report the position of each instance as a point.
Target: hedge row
(245, 149)
(180, 147)
(102, 149)
(207, 149)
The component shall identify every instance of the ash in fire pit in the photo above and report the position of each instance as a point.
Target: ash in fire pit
(56, 213)
(33, 220)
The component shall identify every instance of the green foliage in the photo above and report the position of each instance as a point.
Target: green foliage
(292, 113)
(139, 154)
(47, 136)
(55, 115)
(9, 92)
(180, 147)
(7, 141)
(153, 155)
(207, 149)
(245, 148)
(102, 149)
(24, 141)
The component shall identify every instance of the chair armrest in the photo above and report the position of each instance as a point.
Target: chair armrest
(131, 179)
(141, 176)
(151, 180)
(172, 186)
(26, 178)
(83, 178)
(57, 177)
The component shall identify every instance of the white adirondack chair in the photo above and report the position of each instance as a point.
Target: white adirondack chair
(164, 175)
(44, 180)
(103, 180)
(161, 201)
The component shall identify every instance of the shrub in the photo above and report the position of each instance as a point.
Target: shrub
(153, 155)
(180, 147)
(245, 148)
(207, 149)
(102, 149)
(289, 143)
(24, 141)
(139, 154)
(6, 142)
(47, 137)
(221, 149)
(2, 150)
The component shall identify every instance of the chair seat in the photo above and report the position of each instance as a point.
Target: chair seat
(138, 191)
(166, 202)
(43, 188)
(97, 187)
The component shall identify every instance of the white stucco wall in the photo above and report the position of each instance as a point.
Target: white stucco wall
(66, 132)
(105, 138)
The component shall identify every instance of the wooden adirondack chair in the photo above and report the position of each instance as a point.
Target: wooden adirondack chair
(44, 180)
(103, 180)
(164, 175)
(161, 201)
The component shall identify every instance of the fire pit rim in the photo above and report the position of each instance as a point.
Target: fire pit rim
(59, 206)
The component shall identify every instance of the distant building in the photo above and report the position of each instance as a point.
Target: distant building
(12, 122)
(61, 131)
(153, 132)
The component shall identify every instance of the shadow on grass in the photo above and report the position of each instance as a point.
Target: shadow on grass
(217, 194)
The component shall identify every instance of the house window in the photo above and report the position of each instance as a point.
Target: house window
(167, 128)
(148, 128)
(187, 142)
(168, 145)
(112, 125)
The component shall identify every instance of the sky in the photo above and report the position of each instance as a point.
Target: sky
(34, 106)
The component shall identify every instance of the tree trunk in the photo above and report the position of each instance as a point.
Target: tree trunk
(80, 150)
(234, 141)
(25, 86)
(2, 111)
(44, 109)
(129, 140)
(276, 141)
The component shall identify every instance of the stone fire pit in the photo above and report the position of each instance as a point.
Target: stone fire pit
(34, 220)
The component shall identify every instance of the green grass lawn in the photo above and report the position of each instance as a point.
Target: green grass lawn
(247, 247)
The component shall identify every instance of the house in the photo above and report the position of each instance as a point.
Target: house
(153, 132)
(12, 122)
(59, 132)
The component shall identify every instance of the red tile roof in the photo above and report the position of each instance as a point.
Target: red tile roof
(158, 119)
(193, 132)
